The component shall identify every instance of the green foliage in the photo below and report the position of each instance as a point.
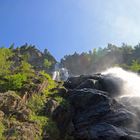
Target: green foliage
(100, 59)
(15, 82)
(46, 125)
(47, 76)
(11, 46)
(17, 74)
(41, 120)
(2, 128)
(47, 55)
(5, 63)
(37, 102)
(26, 57)
(135, 66)
(62, 101)
(12, 82)
(51, 84)
(52, 130)
(47, 63)
(25, 67)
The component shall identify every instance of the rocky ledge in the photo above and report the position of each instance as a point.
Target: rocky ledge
(96, 111)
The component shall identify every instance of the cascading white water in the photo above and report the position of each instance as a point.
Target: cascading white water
(56, 73)
(131, 81)
(60, 73)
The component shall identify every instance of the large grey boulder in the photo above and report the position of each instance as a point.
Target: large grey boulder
(100, 117)
(98, 112)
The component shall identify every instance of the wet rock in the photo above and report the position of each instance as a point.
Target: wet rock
(110, 84)
(98, 112)
(62, 92)
(87, 84)
(74, 82)
(50, 106)
(104, 131)
(98, 116)
(63, 115)
(107, 83)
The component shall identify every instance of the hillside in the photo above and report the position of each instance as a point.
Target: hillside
(86, 107)
(27, 93)
(100, 59)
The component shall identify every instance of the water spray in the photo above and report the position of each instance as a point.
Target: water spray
(131, 81)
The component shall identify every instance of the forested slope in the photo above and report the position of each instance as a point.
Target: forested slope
(100, 59)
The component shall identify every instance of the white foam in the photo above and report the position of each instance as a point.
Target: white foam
(131, 86)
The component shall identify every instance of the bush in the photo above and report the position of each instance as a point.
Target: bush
(47, 126)
(52, 130)
(62, 101)
(36, 103)
(47, 63)
(135, 66)
(26, 68)
(2, 128)
(14, 82)
(5, 63)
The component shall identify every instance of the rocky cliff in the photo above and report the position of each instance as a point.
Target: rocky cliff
(34, 57)
(96, 111)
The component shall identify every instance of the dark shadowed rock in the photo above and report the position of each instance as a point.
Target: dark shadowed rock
(107, 83)
(50, 106)
(86, 84)
(110, 84)
(63, 115)
(98, 115)
(74, 82)
(104, 131)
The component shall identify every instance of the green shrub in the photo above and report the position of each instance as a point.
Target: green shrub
(47, 76)
(15, 82)
(26, 68)
(5, 63)
(46, 126)
(41, 120)
(47, 63)
(62, 101)
(135, 66)
(52, 130)
(2, 128)
(36, 103)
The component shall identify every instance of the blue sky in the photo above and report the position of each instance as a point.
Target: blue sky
(66, 26)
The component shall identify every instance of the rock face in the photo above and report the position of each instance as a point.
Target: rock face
(98, 112)
(14, 113)
(51, 106)
(34, 57)
(11, 104)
